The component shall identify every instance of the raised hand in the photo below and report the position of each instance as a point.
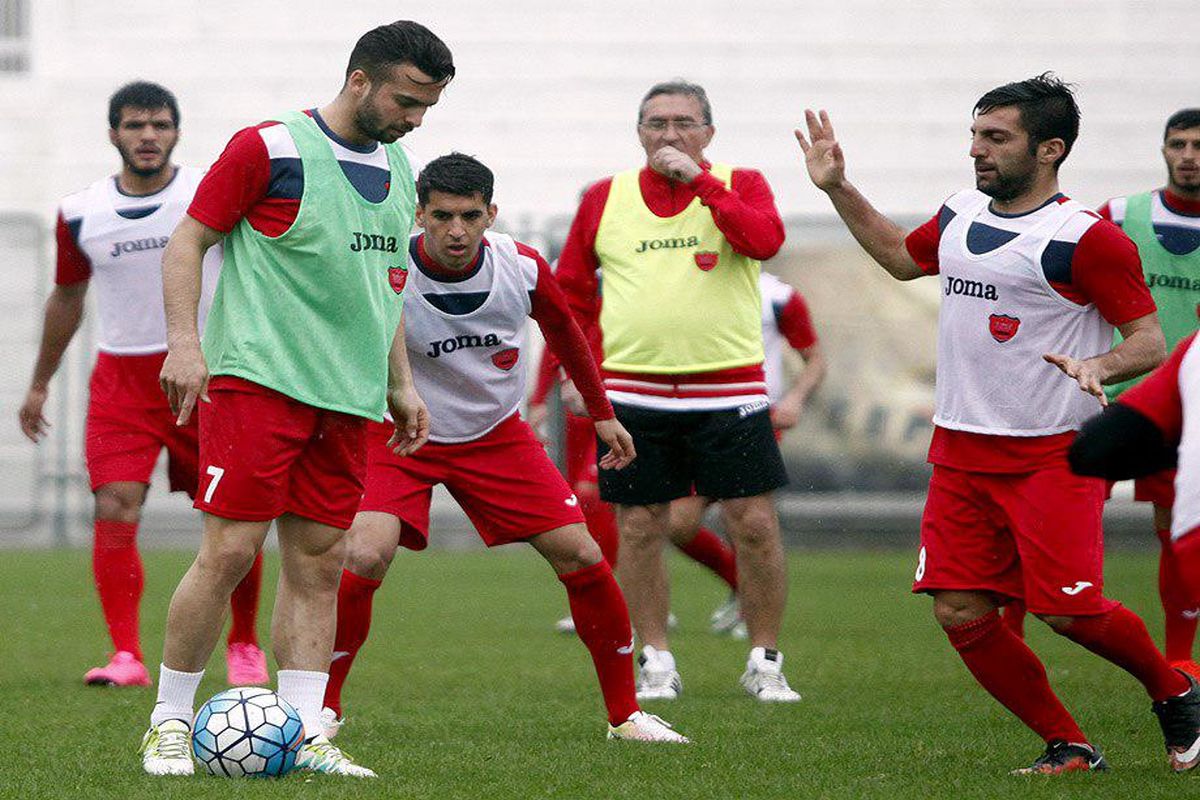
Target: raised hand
(822, 154)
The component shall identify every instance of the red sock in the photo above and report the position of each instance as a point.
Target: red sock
(117, 568)
(1180, 629)
(1185, 552)
(1120, 636)
(353, 622)
(602, 622)
(712, 551)
(1013, 618)
(243, 605)
(601, 523)
(1005, 666)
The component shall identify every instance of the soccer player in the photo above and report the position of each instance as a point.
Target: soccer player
(785, 322)
(114, 231)
(470, 296)
(1032, 285)
(303, 347)
(677, 246)
(1165, 225)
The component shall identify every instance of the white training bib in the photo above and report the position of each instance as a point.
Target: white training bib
(126, 259)
(999, 316)
(1185, 515)
(470, 368)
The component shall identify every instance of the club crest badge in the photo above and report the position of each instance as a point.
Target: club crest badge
(506, 359)
(397, 277)
(1003, 327)
(706, 260)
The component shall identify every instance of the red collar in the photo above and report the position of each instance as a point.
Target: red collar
(1180, 205)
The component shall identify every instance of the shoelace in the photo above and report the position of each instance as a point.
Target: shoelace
(328, 753)
(773, 680)
(659, 720)
(655, 679)
(171, 745)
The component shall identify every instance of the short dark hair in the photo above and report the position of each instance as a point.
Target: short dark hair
(401, 42)
(1182, 120)
(679, 86)
(457, 174)
(1047, 107)
(142, 95)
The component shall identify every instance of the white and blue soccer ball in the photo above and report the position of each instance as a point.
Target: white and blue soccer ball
(247, 731)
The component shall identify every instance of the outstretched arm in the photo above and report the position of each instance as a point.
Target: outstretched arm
(879, 236)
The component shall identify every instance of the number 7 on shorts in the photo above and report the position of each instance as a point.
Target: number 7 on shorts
(217, 473)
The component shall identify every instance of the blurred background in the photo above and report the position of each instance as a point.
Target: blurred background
(546, 94)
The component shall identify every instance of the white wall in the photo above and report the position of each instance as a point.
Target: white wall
(547, 91)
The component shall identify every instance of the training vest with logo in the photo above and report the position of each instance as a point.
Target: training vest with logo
(999, 316)
(677, 298)
(312, 313)
(125, 253)
(469, 368)
(1174, 280)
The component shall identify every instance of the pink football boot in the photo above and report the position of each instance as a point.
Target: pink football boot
(123, 670)
(246, 665)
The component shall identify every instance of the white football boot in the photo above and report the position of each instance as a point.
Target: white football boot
(318, 754)
(167, 749)
(643, 727)
(565, 625)
(764, 679)
(726, 616)
(657, 677)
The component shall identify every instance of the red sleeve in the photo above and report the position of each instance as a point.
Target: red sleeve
(546, 369)
(1157, 396)
(1107, 271)
(71, 265)
(1105, 211)
(745, 212)
(565, 339)
(795, 323)
(577, 263)
(235, 183)
(922, 245)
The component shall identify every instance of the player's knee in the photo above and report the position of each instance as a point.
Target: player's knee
(227, 562)
(1059, 623)
(368, 559)
(119, 502)
(752, 521)
(955, 608)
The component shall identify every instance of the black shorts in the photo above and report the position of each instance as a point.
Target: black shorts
(720, 454)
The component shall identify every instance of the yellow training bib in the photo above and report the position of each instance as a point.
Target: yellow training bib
(676, 297)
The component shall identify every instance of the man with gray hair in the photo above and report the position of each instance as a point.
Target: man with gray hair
(677, 246)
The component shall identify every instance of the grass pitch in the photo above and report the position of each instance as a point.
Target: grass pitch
(465, 691)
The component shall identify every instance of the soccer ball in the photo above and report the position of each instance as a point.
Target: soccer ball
(247, 732)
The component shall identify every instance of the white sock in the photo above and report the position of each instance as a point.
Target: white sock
(306, 691)
(176, 695)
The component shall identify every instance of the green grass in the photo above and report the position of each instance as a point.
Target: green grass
(465, 691)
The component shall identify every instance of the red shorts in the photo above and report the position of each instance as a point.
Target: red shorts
(263, 454)
(504, 480)
(129, 423)
(1035, 536)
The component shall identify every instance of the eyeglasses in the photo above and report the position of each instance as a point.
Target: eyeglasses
(681, 125)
